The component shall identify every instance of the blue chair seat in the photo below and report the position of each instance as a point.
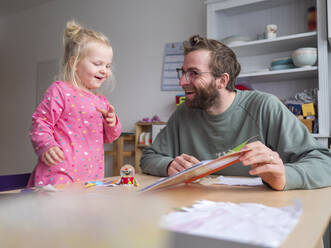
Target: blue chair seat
(11, 182)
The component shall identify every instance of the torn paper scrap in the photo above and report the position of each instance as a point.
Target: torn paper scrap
(249, 223)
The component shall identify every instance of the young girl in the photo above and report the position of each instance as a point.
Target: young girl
(72, 122)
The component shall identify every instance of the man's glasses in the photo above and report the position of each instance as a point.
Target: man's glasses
(190, 75)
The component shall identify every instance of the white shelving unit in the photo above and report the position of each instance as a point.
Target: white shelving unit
(278, 75)
(249, 18)
(329, 20)
(279, 44)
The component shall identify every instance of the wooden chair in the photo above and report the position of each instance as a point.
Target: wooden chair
(11, 182)
(118, 153)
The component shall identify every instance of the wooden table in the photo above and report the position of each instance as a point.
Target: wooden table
(307, 233)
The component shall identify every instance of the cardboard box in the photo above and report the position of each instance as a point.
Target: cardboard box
(308, 123)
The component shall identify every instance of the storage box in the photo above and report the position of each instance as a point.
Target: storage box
(308, 109)
(308, 123)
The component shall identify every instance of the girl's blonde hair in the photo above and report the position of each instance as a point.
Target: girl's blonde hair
(75, 40)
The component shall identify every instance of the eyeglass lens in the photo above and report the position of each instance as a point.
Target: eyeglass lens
(189, 75)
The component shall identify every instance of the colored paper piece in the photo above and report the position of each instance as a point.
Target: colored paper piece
(104, 183)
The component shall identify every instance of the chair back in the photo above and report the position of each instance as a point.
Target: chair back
(11, 182)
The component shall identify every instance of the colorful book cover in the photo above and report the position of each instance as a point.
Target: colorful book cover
(201, 169)
(197, 171)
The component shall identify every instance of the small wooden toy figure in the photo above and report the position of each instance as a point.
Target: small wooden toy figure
(127, 176)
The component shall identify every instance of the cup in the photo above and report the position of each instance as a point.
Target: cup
(270, 31)
(260, 36)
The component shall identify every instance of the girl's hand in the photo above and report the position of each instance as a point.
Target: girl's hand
(52, 156)
(109, 115)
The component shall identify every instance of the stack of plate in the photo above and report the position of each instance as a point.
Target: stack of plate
(236, 40)
(282, 64)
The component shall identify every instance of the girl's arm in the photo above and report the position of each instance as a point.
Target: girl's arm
(112, 127)
(44, 119)
(111, 133)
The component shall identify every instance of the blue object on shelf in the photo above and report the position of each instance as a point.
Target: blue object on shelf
(282, 61)
(281, 67)
(295, 108)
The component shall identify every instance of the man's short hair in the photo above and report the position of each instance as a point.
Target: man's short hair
(222, 58)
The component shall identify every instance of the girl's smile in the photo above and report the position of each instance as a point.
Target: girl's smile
(94, 68)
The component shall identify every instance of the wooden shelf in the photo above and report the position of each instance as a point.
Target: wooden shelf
(279, 44)
(279, 75)
(143, 127)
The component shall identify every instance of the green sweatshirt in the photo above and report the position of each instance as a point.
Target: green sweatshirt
(252, 113)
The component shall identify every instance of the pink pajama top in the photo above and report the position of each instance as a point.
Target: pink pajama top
(67, 118)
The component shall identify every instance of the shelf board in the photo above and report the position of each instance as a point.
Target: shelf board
(318, 135)
(143, 146)
(279, 44)
(235, 7)
(289, 74)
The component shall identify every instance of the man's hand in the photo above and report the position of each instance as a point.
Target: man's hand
(109, 115)
(181, 163)
(52, 156)
(265, 163)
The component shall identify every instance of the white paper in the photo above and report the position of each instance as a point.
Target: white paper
(250, 181)
(249, 223)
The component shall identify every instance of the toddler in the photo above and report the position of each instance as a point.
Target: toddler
(72, 121)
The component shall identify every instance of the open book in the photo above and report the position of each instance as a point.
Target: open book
(202, 169)
(197, 171)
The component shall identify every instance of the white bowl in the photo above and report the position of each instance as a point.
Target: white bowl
(305, 57)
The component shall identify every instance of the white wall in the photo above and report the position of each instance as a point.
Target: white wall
(138, 31)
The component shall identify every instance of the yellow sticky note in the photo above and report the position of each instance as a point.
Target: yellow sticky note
(308, 109)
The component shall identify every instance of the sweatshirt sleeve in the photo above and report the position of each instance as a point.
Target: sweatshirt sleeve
(307, 163)
(44, 119)
(110, 134)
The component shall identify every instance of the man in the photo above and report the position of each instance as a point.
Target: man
(216, 118)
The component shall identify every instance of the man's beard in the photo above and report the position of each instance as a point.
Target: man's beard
(204, 97)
